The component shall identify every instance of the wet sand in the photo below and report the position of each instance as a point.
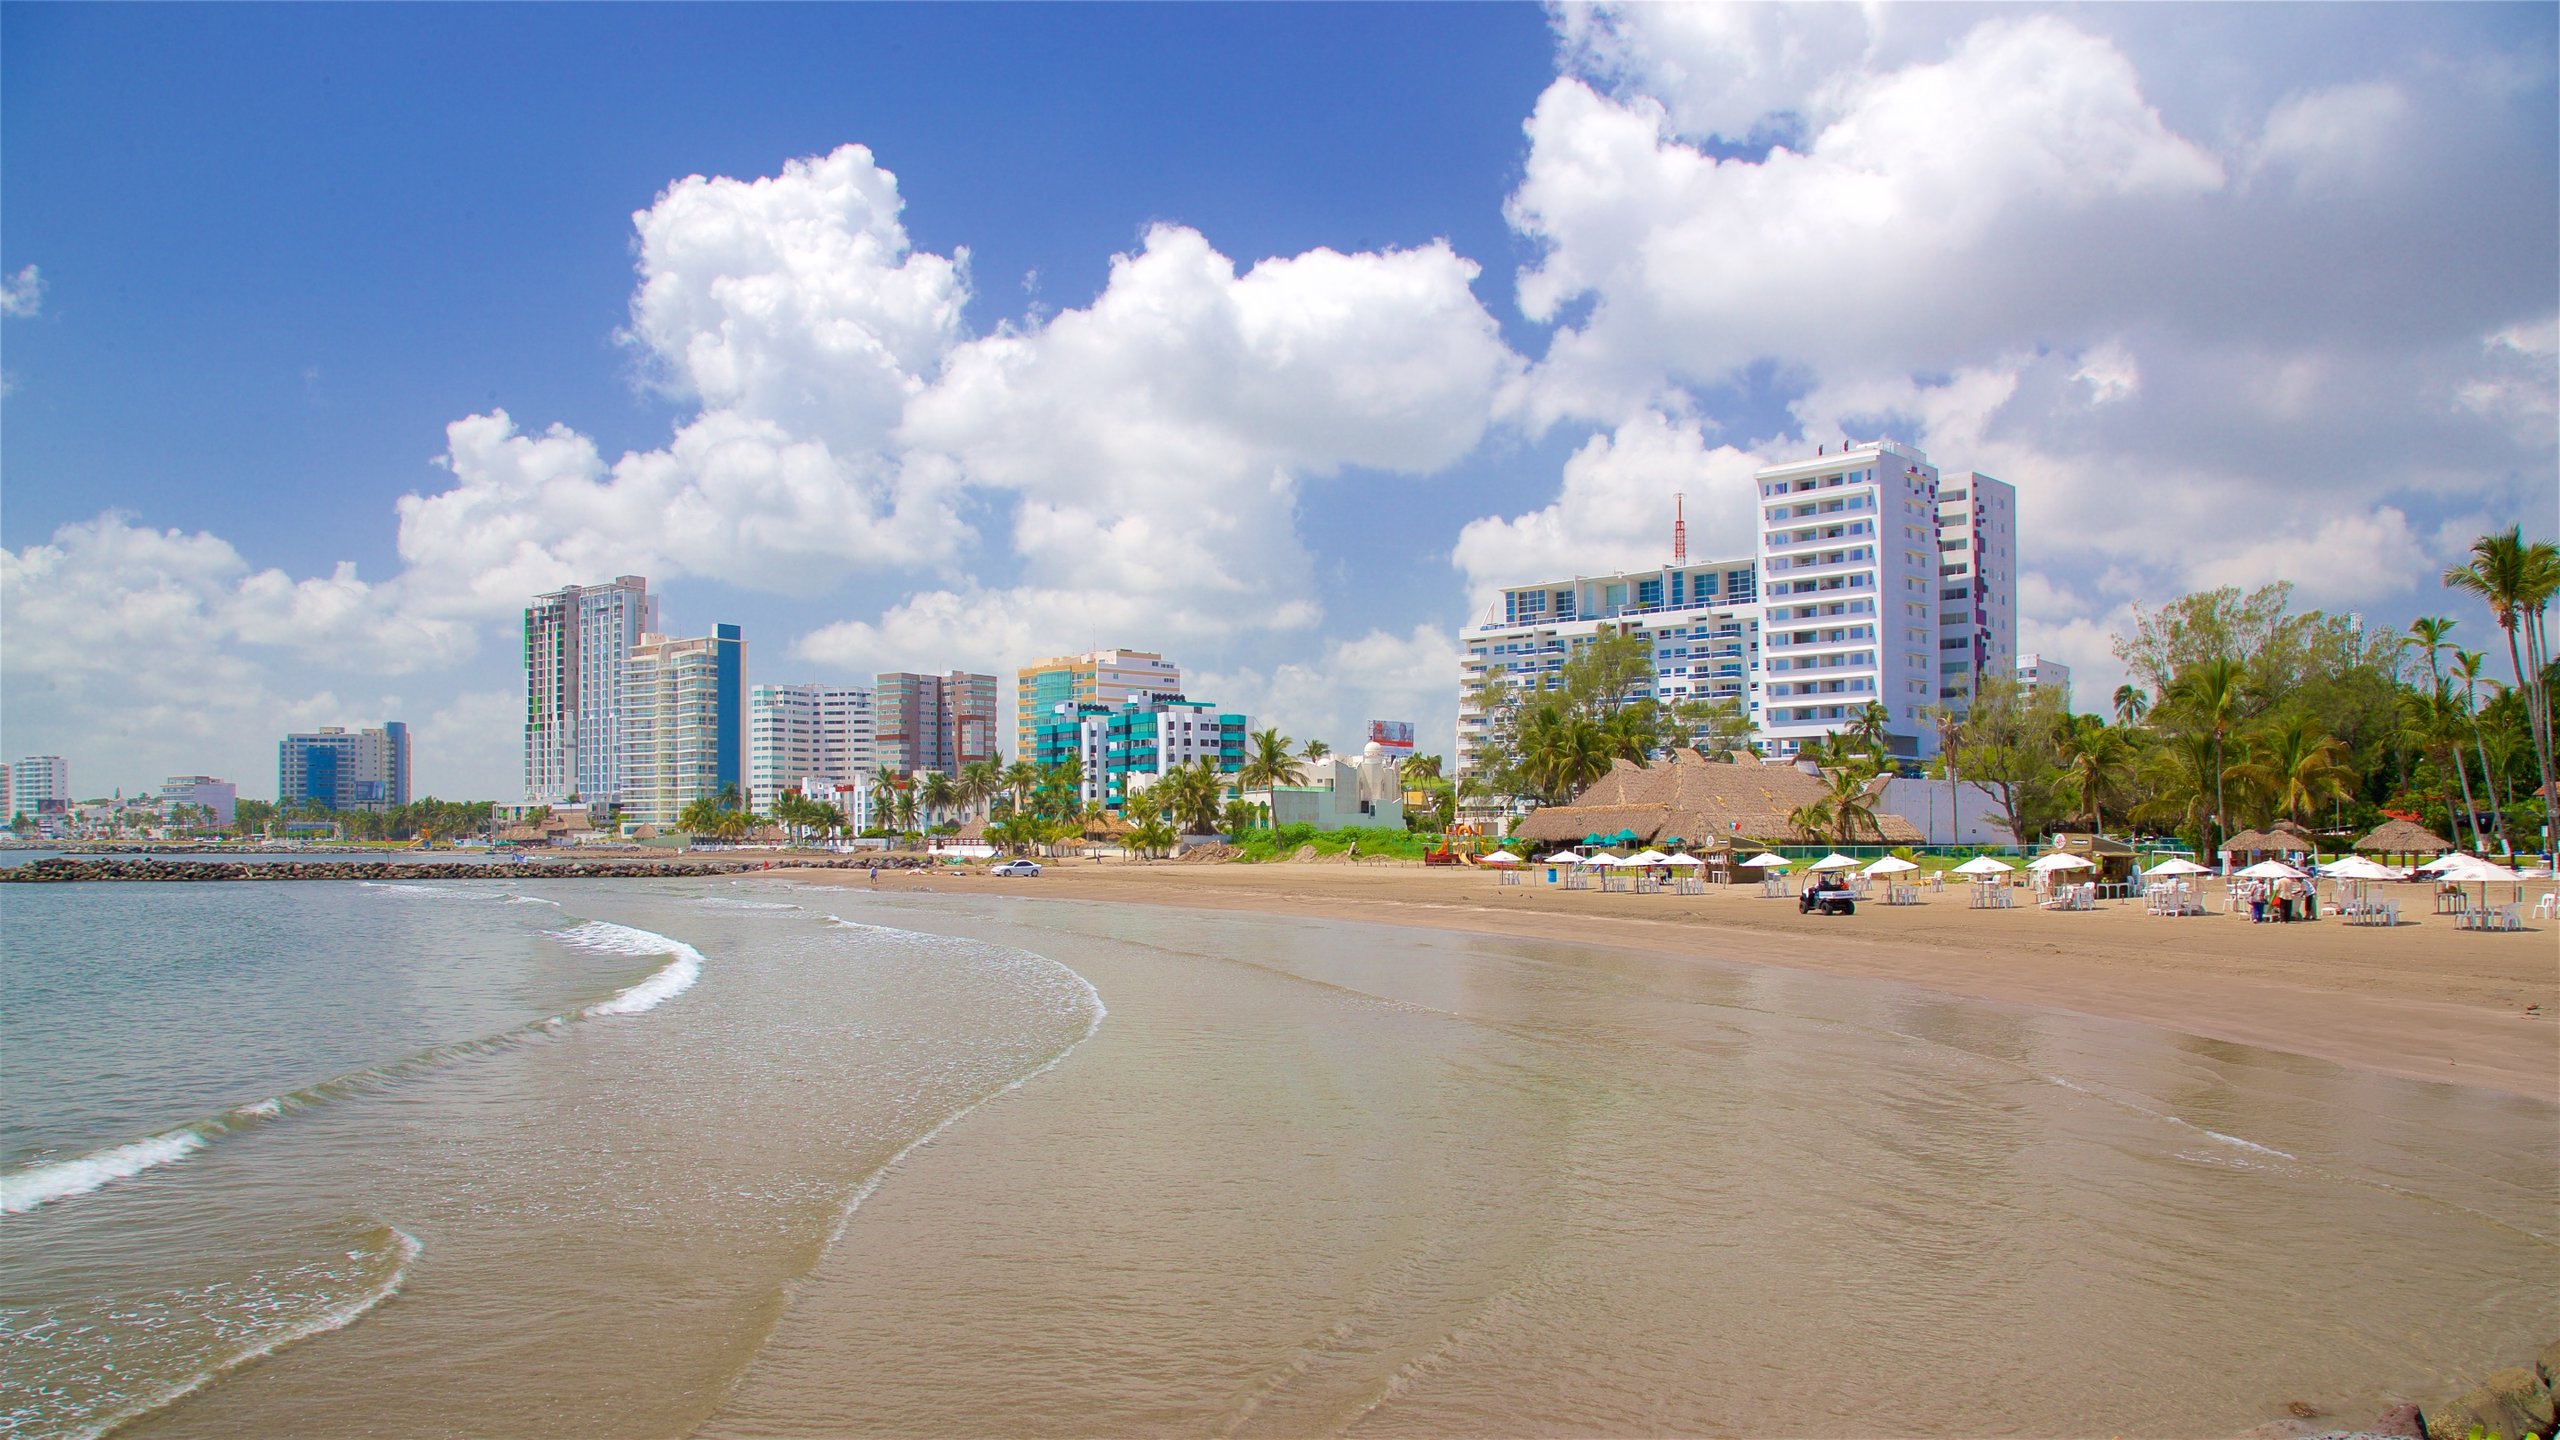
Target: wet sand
(2421, 1001)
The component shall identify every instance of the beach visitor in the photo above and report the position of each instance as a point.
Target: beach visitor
(2257, 904)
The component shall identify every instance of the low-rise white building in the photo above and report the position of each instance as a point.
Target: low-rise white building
(2037, 675)
(220, 797)
(1699, 619)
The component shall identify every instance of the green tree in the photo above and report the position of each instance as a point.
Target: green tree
(2468, 666)
(2131, 704)
(2008, 752)
(2517, 581)
(1317, 750)
(2210, 699)
(939, 795)
(1268, 763)
(1191, 795)
(2292, 768)
(2097, 761)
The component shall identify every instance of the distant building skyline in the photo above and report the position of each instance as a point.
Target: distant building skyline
(797, 733)
(345, 769)
(934, 722)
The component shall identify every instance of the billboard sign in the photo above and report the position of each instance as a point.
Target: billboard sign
(1392, 734)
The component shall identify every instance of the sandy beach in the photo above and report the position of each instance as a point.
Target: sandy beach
(2423, 1000)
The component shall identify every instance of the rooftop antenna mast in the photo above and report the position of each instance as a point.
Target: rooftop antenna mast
(1679, 530)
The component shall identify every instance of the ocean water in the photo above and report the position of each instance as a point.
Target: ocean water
(751, 1158)
(494, 1161)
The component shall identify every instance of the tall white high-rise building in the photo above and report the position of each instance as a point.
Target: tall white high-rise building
(1849, 596)
(1875, 583)
(576, 641)
(1977, 584)
(37, 781)
(796, 733)
(682, 722)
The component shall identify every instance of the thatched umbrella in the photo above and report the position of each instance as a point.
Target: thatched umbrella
(2402, 837)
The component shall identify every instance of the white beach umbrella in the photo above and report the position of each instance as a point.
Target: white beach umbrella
(2472, 870)
(1602, 861)
(1563, 857)
(2047, 864)
(2271, 870)
(1500, 857)
(1646, 857)
(1684, 858)
(1835, 861)
(1985, 865)
(1765, 861)
(2357, 867)
(2179, 865)
(1890, 865)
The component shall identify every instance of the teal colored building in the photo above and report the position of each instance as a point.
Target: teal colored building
(1123, 748)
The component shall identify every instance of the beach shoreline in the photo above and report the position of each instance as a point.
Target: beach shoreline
(2420, 1001)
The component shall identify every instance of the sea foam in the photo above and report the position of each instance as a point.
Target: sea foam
(675, 978)
(40, 1185)
(62, 1179)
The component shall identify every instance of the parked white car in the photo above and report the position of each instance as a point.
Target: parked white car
(1016, 867)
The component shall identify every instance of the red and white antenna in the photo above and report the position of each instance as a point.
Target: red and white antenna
(1679, 531)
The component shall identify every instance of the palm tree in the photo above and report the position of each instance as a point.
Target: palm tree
(884, 800)
(979, 781)
(1850, 808)
(2207, 696)
(1192, 795)
(2293, 765)
(1418, 768)
(2517, 581)
(2131, 704)
(1317, 750)
(2468, 665)
(1812, 818)
(1268, 765)
(939, 794)
(2097, 758)
(1152, 836)
(1021, 778)
(1870, 728)
(2433, 721)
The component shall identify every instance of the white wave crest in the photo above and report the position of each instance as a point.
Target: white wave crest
(2249, 1145)
(675, 978)
(335, 1317)
(405, 888)
(44, 1184)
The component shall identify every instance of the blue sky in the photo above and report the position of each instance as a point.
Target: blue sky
(2288, 270)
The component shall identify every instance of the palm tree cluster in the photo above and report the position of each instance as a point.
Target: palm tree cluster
(2244, 712)
(1549, 736)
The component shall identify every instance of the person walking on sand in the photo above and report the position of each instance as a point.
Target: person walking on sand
(875, 874)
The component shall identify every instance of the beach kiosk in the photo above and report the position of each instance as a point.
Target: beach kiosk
(2111, 861)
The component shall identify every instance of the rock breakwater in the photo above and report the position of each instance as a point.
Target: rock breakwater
(65, 869)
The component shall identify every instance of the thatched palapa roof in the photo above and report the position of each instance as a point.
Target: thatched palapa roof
(2402, 837)
(1700, 800)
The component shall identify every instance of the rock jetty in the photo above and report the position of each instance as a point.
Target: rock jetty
(116, 868)
(2517, 1403)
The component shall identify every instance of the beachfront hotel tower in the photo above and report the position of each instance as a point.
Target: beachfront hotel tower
(1873, 582)
(800, 733)
(1097, 677)
(1977, 584)
(576, 641)
(934, 722)
(345, 769)
(1849, 594)
(1701, 621)
(682, 723)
